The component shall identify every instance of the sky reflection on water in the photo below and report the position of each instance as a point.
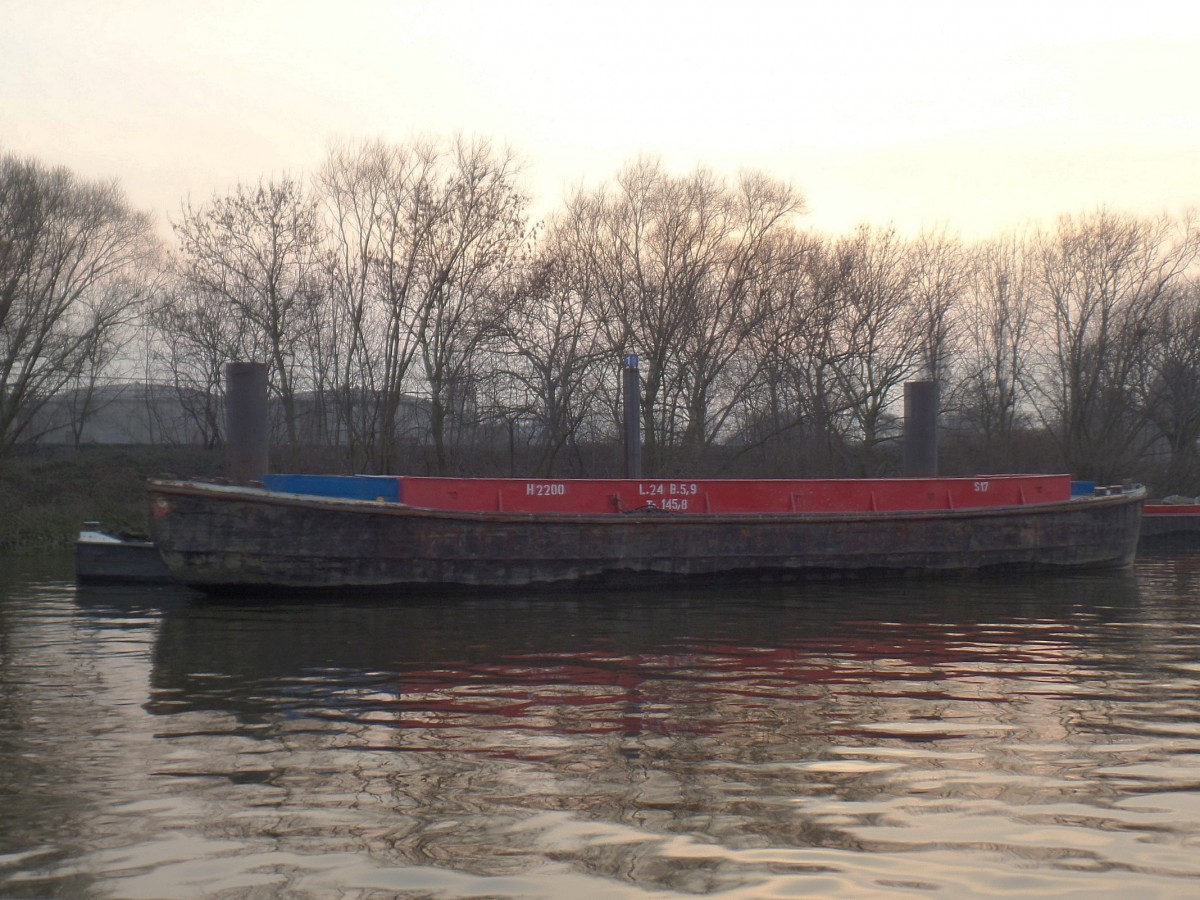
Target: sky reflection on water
(957, 738)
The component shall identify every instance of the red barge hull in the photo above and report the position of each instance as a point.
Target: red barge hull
(1163, 519)
(392, 533)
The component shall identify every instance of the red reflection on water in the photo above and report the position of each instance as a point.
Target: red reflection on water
(705, 686)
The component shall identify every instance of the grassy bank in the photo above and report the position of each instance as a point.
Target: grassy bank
(46, 496)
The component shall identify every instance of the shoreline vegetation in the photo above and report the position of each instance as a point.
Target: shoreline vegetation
(47, 496)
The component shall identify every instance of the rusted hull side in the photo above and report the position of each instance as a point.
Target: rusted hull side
(228, 539)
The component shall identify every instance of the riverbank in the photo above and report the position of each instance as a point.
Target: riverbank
(46, 496)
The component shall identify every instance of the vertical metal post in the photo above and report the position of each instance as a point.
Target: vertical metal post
(632, 407)
(920, 429)
(246, 421)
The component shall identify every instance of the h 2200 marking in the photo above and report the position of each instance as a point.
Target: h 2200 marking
(545, 489)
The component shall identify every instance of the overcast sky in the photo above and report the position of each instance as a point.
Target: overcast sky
(973, 115)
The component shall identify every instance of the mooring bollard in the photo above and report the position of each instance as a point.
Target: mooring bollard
(920, 429)
(631, 383)
(247, 428)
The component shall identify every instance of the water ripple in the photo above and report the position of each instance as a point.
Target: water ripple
(965, 738)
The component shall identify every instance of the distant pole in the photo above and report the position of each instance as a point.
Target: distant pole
(632, 387)
(246, 421)
(920, 429)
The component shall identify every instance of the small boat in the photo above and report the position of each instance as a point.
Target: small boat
(371, 532)
(106, 557)
(1171, 516)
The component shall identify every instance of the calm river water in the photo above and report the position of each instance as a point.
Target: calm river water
(1023, 737)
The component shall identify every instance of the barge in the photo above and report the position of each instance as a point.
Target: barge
(333, 533)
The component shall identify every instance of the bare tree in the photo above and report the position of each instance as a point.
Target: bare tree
(793, 411)
(675, 270)
(996, 321)
(880, 332)
(556, 358)
(195, 338)
(76, 264)
(478, 233)
(823, 354)
(940, 274)
(1167, 385)
(100, 363)
(379, 203)
(425, 239)
(253, 255)
(1101, 282)
(719, 369)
